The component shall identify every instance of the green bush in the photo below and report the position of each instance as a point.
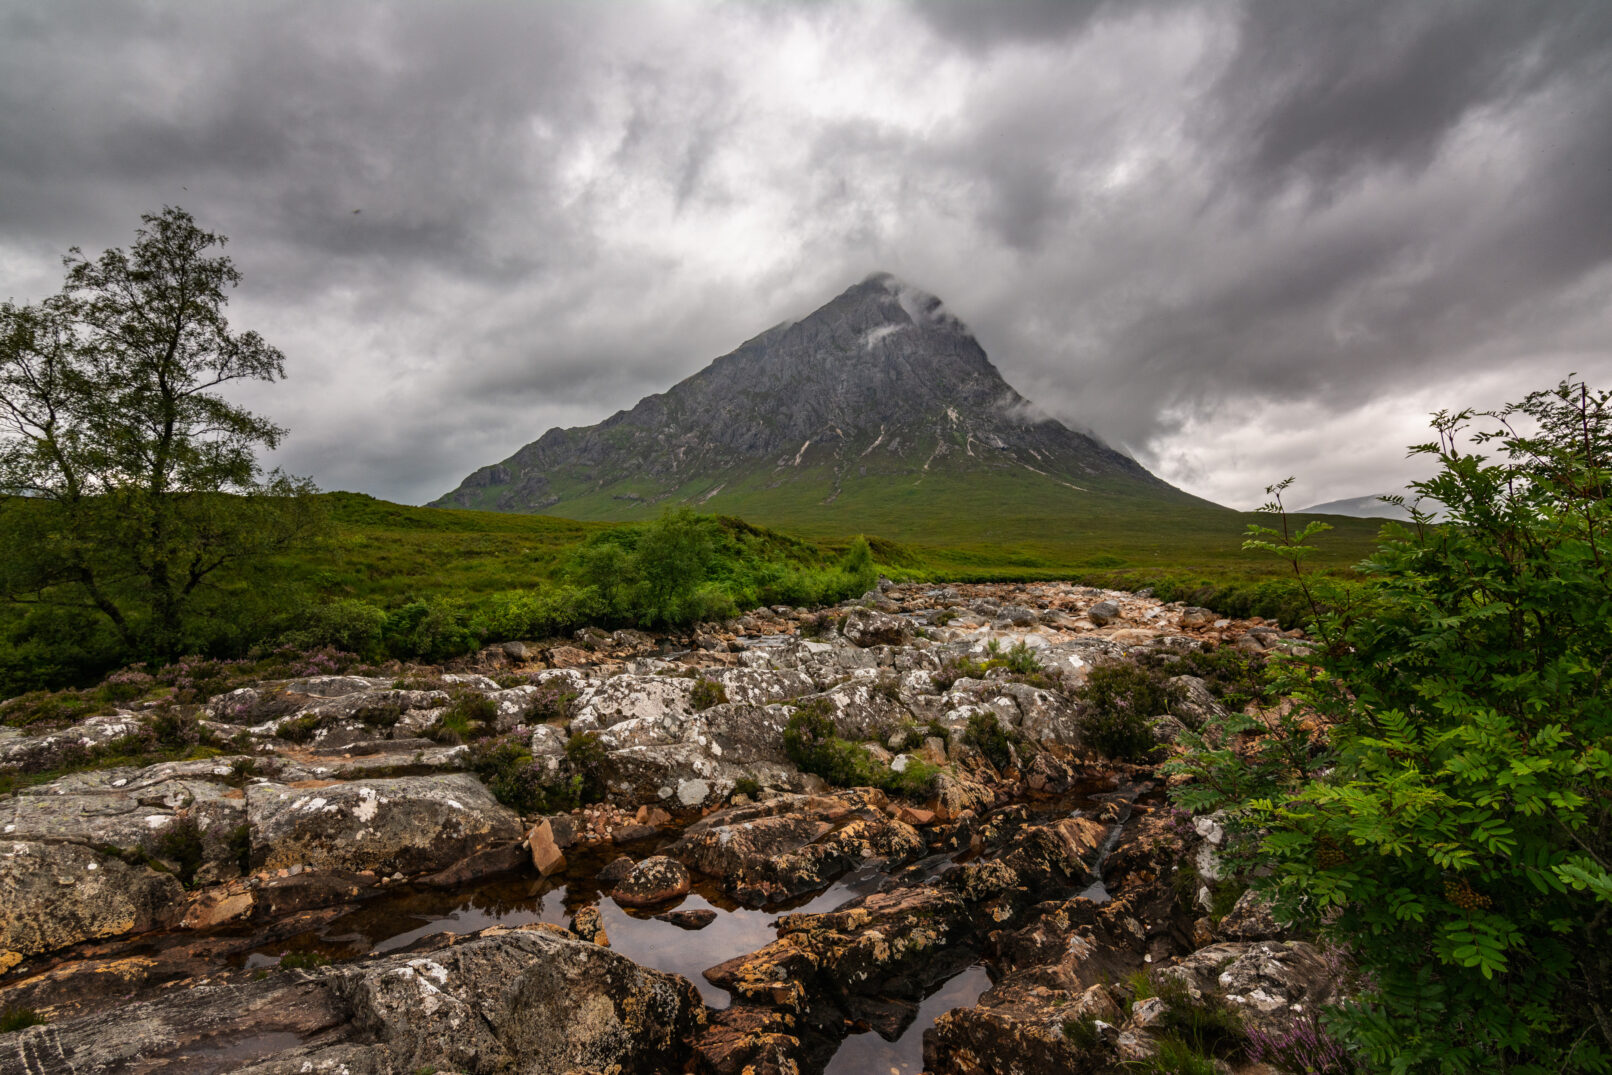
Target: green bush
(811, 741)
(15, 1019)
(469, 716)
(1455, 830)
(346, 624)
(506, 767)
(586, 755)
(1118, 699)
(1234, 676)
(986, 734)
(707, 693)
(181, 844)
(435, 629)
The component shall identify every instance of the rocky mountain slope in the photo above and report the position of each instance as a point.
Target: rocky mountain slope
(879, 393)
(347, 890)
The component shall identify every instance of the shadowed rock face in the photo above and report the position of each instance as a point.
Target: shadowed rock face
(530, 1001)
(880, 379)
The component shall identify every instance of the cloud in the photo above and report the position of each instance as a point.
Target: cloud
(1238, 240)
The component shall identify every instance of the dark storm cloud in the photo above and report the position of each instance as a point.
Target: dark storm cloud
(1331, 89)
(1240, 239)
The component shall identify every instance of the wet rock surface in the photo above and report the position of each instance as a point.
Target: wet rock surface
(719, 910)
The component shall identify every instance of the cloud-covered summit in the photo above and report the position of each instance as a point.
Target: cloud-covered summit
(1241, 240)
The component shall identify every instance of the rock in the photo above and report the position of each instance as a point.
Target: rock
(516, 651)
(1192, 616)
(1250, 919)
(569, 657)
(864, 627)
(654, 880)
(587, 925)
(56, 894)
(236, 1023)
(1019, 1027)
(628, 697)
(1016, 616)
(1103, 613)
(653, 816)
(524, 1000)
(615, 871)
(789, 845)
(915, 816)
(889, 944)
(1269, 982)
(688, 919)
(409, 825)
(547, 858)
(46, 751)
(1196, 704)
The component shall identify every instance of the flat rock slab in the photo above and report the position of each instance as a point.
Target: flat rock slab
(57, 894)
(409, 825)
(533, 1001)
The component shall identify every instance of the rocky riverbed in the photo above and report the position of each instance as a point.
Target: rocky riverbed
(349, 892)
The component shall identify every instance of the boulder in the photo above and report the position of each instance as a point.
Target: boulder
(1271, 983)
(865, 627)
(628, 697)
(410, 825)
(1196, 704)
(57, 894)
(1250, 919)
(654, 880)
(1103, 613)
(523, 1001)
(546, 855)
(1019, 1027)
(529, 1001)
(1193, 616)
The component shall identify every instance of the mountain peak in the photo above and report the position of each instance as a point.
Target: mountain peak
(881, 384)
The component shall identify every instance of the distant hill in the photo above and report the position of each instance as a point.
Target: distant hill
(1363, 507)
(878, 412)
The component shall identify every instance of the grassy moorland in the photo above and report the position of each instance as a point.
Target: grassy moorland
(389, 580)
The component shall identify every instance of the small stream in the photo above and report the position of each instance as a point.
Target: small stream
(408, 915)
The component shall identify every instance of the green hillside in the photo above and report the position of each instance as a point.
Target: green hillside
(381, 551)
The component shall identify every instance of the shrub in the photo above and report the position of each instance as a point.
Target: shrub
(175, 729)
(915, 781)
(986, 734)
(812, 743)
(747, 785)
(1118, 699)
(586, 755)
(435, 629)
(1304, 1048)
(552, 701)
(181, 844)
(1082, 1033)
(300, 729)
(1456, 835)
(468, 716)
(345, 624)
(15, 1019)
(506, 767)
(1206, 1027)
(707, 693)
(1235, 676)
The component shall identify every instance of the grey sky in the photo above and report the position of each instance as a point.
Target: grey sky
(1240, 240)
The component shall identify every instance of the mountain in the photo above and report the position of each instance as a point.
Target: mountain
(879, 411)
(1368, 507)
